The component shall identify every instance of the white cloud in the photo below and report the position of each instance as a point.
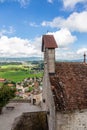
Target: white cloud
(17, 47)
(50, 1)
(33, 24)
(66, 55)
(63, 37)
(72, 3)
(70, 54)
(82, 51)
(75, 22)
(23, 3)
(5, 31)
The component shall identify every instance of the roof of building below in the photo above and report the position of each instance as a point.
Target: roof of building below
(69, 86)
(48, 41)
(2, 79)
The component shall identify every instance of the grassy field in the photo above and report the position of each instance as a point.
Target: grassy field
(17, 73)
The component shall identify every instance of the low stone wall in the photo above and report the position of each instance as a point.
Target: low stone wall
(31, 121)
(20, 101)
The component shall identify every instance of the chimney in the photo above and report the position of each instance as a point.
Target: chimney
(84, 58)
(48, 47)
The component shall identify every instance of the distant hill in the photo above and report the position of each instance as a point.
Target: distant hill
(76, 60)
(25, 59)
(19, 59)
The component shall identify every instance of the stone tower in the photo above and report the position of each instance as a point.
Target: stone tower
(84, 58)
(48, 47)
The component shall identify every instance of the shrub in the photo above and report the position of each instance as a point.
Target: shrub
(6, 93)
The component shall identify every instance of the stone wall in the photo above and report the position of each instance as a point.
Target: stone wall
(49, 58)
(76, 120)
(31, 121)
(20, 101)
(48, 101)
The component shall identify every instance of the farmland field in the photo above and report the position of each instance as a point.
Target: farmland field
(17, 73)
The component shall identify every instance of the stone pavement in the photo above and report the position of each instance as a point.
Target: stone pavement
(8, 115)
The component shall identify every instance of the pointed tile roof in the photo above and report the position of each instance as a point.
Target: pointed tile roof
(48, 41)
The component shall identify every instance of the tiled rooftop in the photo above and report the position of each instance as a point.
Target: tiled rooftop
(69, 86)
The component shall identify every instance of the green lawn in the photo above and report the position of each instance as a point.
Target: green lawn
(11, 66)
(16, 73)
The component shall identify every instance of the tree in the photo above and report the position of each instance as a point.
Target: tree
(6, 93)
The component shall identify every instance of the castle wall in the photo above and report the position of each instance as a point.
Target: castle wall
(48, 102)
(72, 121)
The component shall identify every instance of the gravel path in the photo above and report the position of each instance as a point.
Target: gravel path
(8, 116)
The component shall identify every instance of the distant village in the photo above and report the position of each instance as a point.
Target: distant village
(29, 88)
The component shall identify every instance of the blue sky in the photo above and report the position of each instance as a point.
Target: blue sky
(23, 22)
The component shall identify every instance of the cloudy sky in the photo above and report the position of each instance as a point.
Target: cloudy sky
(23, 22)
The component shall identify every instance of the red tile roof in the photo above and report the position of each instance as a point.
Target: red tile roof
(48, 41)
(69, 86)
(2, 79)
